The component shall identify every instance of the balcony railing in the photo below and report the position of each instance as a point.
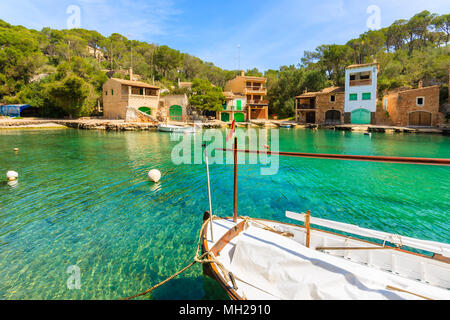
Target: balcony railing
(306, 106)
(365, 82)
(257, 89)
(258, 102)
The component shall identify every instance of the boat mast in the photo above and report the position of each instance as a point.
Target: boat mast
(209, 191)
(235, 181)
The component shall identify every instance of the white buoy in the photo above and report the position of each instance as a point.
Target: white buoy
(154, 175)
(16, 149)
(12, 175)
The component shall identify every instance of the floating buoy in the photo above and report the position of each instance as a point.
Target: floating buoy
(154, 175)
(12, 175)
(16, 149)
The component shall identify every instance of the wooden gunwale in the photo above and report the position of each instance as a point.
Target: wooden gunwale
(214, 272)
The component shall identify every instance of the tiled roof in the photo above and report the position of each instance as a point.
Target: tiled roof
(323, 91)
(232, 95)
(135, 83)
(361, 65)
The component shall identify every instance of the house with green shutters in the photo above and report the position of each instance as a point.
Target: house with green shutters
(235, 108)
(361, 93)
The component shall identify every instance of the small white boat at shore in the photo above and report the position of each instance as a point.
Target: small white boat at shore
(175, 129)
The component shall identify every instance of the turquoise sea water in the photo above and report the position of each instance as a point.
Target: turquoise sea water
(83, 198)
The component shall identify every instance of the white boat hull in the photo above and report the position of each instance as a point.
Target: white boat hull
(269, 265)
(176, 129)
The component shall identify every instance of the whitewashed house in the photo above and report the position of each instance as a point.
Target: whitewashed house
(361, 93)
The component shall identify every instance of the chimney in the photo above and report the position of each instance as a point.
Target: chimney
(131, 73)
(420, 84)
(242, 73)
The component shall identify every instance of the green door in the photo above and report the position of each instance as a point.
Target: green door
(225, 117)
(239, 117)
(360, 116)
(176, 113)
(238, 105)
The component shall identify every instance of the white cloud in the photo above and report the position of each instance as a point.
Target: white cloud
(271, 34)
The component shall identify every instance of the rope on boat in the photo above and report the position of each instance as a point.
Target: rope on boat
(197, 259)
(163, 282)
(201, 258)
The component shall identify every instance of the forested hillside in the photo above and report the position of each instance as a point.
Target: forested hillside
(62, 71)
(408, 51)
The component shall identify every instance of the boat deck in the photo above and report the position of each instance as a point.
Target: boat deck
(267, 265)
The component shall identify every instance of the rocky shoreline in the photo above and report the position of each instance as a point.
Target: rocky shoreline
(120, 125)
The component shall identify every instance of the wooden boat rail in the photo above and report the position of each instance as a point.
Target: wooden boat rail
(406, 160)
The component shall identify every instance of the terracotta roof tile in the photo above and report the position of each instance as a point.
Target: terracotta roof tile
(135, 83)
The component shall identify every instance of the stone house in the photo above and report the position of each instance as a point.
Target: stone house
(174, 107)
(323, 107)
(413, 107)
(120, 95)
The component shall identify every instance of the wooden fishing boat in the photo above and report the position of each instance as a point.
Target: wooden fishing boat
(265, 260)
(285, 125)
(175, 129)
(259, 259)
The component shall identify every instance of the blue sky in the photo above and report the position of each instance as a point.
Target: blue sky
(271, 33)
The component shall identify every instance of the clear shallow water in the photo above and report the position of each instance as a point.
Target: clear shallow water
(83, 199)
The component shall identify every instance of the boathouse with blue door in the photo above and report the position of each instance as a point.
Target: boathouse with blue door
(13, 110)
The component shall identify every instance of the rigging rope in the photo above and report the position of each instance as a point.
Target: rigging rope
(197, 259)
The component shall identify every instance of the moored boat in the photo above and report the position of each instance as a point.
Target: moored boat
(259, 259)
(264, 260)
(285, 125)
(175, 129)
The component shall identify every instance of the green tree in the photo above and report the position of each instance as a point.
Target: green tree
(253, 72)
(73, 95)
(442, 24)
(206, 97)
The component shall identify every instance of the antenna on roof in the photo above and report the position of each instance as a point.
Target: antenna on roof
(131, 51)
(112, 56)
(239, 56)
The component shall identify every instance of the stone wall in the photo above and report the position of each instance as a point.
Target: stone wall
(171, 100)
(324, 104)
(401, 104)
(134, 115)
(113, 105)
(138, 101)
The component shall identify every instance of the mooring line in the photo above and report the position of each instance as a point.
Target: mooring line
(165, 281)
(197, 259)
